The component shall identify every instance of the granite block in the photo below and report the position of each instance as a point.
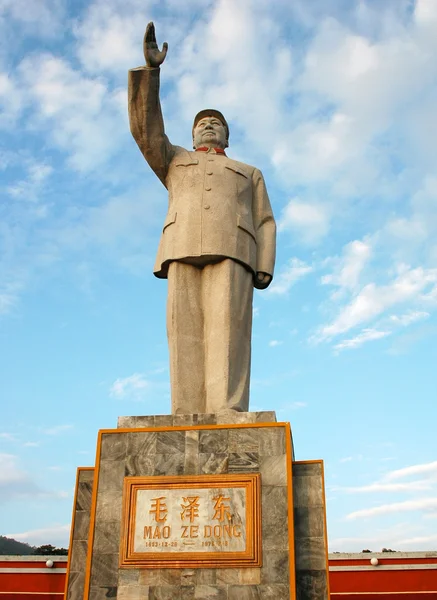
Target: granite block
(86, 475)
(102, 592)
(133, 592)
(243, 440)
(244, 592)
(169, 442)
(141, 443)
(109, 505)
(250, 576)
(188, 577)
(271, 441)
(158, 577)
(84, 495)
(275, 567)
(213, 442)
(78, 555)
(309, 521)
(229, 416)
(273, 470)
(163, 421)
(207, 576)
(104, 569)
(149, 577)
(311, 585)
(191, 462)
(274, 514)
(243, 462)
(171, 592)
(111, 475)
(140, 465)
(265, 416)
(183, 420)
(307, 491)
(75, 586)
(170, 577)
(81, 525)
(210, 592)
(169, 464)
(308, 469)
(210, 464)
(276, 591)
(205, 419)
(135, 422)
(228, 576)
(113, 446)
(128, 577)
(311, 555)
(106, 537)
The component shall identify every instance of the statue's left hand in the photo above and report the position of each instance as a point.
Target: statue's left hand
(262, 280)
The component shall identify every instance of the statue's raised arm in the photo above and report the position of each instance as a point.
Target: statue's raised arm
(154, 57)
(145, 115)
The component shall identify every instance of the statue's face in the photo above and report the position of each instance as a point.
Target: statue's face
(210, 132)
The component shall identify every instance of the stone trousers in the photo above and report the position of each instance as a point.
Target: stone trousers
(209, 326)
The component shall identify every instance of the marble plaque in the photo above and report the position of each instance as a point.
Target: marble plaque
(191, 521)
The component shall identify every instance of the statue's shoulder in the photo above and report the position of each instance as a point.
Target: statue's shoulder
(182, 154)
(246, 169)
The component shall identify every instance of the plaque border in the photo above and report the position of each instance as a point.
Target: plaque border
(250, 557)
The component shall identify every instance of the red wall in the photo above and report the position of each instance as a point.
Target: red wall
(398, 576)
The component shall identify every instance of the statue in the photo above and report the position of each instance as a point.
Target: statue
(217, 244)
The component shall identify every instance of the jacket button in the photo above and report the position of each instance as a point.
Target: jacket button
(209, 172)
(207, 189)
(206, 207)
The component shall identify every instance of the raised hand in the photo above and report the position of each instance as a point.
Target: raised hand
(154, 57)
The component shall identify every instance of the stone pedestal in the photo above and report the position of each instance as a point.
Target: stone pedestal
(200, 507)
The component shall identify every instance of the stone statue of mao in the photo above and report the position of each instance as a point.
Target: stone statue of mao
(218, 243)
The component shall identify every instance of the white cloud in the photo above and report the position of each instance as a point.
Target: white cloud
(134, 386)
(348, 268)
(57, 429)
(421, 504)
(289, 275)
(9, 296)
(373, 300)
(84, 118)
(367, 335)
(108, 37)
(40, 18)
(409, 317)
(420, 469)
(56, 535)
(274, 343)
(389, 487)
(310, 222)
(17, 484)
(29, 188)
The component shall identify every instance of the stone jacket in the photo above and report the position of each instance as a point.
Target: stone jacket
(218, 207)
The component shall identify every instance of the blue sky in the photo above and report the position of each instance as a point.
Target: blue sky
(334, 100)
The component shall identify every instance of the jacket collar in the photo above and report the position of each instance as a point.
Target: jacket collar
(211, 150)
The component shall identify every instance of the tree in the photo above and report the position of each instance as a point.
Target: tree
(49, 550)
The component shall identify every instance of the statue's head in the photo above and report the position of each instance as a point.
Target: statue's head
(210, 129)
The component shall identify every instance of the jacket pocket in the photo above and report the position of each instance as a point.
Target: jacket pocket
(246, 226)
(188, 162)
(169, 220)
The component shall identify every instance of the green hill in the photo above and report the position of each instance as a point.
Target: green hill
(10, 546)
